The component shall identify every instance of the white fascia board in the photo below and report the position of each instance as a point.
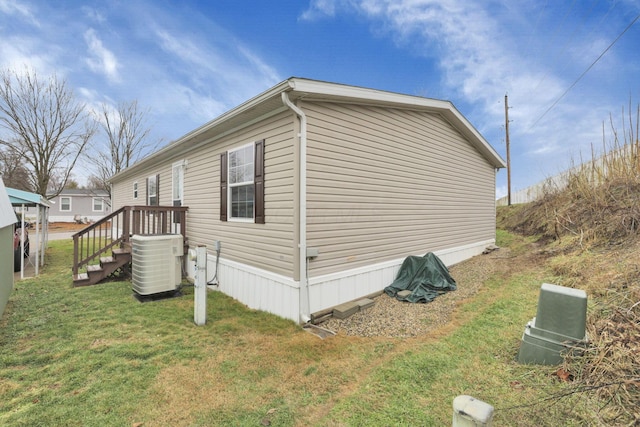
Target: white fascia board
(301, 88)
(256, 100)
(468, 130)
(314, 88)
(176, 146)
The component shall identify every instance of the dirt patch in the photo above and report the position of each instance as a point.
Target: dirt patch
(55, 227)
(260, 369)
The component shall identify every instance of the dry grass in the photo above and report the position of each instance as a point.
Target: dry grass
(610, 368)
(244, 384)
(93, 357)
(593, 225)
(57, 227)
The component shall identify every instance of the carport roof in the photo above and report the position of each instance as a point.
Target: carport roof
(20, 197)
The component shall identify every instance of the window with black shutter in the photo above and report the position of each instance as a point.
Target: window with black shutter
(242, 183)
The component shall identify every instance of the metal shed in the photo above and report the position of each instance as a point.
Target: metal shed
(7, 219)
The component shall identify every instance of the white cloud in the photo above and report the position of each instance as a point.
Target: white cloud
(102, 60)
(14, 7)
(319, 9)
(94, 14)
(268, 73)
(177, 99)
(487, 49)
(20, 52)
(226, 70)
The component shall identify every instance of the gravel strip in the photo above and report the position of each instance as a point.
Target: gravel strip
(391, 318)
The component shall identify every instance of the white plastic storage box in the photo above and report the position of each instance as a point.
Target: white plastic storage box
(156, 263)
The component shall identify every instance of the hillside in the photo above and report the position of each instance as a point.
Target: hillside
(590, 241)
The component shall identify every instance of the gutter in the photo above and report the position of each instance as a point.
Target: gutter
(305, 310)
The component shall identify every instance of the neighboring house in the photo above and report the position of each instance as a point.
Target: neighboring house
(316, 192)
(7, 221)
(79, 205)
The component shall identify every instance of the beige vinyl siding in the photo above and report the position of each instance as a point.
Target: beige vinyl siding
(387, 183)
(269, 246)
(122, 190)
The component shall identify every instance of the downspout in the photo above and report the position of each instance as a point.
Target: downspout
(305, 310)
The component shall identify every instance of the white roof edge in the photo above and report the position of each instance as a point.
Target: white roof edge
(304, 86)
(449, 111)
(487, 148)
(7, 214)
(341, 90)
(280, 87)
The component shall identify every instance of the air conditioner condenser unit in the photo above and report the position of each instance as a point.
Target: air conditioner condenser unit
(156, 263)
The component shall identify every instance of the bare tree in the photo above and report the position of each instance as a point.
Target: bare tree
(43, 121)
(126, 132)
(95, 183)
(12, 169)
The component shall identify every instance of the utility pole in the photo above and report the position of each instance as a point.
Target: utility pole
(506, 127)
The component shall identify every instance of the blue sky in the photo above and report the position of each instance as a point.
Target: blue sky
(190, 61)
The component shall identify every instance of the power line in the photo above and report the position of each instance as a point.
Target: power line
(585, 72)
(566, 44)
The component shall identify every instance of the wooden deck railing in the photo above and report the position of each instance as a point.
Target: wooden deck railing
(115, 230)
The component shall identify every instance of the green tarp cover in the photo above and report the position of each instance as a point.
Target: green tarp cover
(426, 277)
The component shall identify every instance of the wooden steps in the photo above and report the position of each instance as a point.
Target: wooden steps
(108, 265)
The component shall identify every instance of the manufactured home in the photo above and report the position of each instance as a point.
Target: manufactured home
(315, 192)
(79, 205)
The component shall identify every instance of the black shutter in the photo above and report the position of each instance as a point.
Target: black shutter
(223, 186)
(259, 181)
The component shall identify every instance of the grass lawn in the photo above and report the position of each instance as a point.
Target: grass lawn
(95, 356)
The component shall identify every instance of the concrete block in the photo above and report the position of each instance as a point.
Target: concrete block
(365, 303)
(403, 294)
(345, 310)
(471, 412)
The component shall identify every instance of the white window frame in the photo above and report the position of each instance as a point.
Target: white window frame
(153, 178)
(177, 182)
(93, 204)
(135, 190)
(61, 204)
(231, 178)
(177, 188)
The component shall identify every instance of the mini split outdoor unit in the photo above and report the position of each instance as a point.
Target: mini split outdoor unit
(156, 263)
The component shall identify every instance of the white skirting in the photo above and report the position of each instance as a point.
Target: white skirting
(262, 290)
(258, 289)
(336, 288)
(71, 218)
